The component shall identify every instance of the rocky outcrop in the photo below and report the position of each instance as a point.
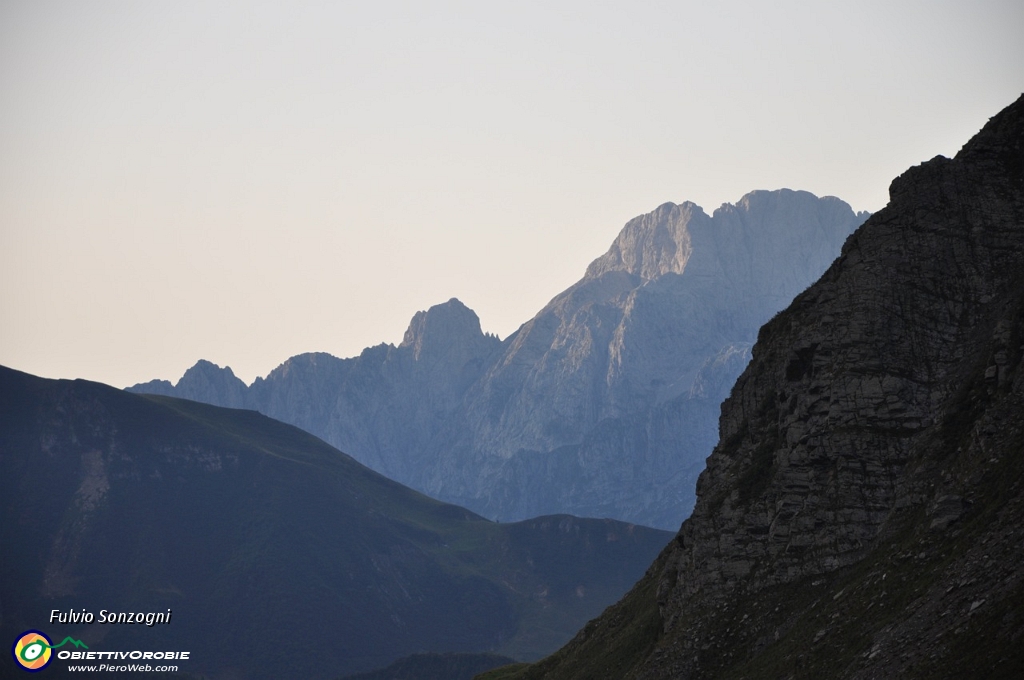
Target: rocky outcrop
(382, 404)
(206, 382)
(862, 513)
(604, 404)
(387, 402)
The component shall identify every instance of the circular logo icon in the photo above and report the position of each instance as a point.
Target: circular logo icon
(32, 650)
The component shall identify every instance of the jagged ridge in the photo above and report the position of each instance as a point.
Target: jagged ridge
(604, 404)
(863, 513)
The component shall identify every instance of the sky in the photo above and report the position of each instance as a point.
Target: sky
(246, 181)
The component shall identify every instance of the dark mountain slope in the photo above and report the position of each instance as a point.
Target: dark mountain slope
(863, 513)
(279, 555)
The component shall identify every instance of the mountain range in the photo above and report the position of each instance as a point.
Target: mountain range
(862, 515)
(278, 555)
(604, 404)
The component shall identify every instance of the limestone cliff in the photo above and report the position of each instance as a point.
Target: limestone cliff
(606, 401)
(863, 513)
(604, 404)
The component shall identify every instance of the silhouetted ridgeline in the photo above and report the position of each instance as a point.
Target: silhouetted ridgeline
(863, 515)
(280, 556)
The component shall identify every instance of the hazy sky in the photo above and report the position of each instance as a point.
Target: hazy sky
(244, 181)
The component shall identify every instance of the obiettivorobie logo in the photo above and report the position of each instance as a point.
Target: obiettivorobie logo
(32, 649)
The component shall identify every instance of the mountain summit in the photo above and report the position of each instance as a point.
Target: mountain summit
(594, 404)
(447, 332)
(863, 513)
(653, 244)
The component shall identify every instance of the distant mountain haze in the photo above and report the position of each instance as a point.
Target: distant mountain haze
(604, 404)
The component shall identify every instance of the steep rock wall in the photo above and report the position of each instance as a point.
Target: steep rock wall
(862, 514)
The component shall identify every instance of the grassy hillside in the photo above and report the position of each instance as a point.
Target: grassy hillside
(279, 555)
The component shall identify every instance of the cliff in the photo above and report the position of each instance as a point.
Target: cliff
(606, 401)
(862, 515)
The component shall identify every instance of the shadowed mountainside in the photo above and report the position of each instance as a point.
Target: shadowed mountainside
(279, 555)
(863, 513)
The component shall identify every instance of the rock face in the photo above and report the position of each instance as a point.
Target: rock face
(604, 404)
(606, 401)
(384, 404)
(206, 382)
(862, 514)
(389, 401)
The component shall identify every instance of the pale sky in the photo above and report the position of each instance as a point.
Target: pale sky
(246, 181)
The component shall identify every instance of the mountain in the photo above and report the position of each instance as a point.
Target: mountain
(383, 405)
(279, 555)
(863, 513)
(206, 382)
(604, 404)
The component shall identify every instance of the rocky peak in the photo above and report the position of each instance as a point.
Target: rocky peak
(768, 245)
(446, 330)
(209, 383)
(653, 244)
